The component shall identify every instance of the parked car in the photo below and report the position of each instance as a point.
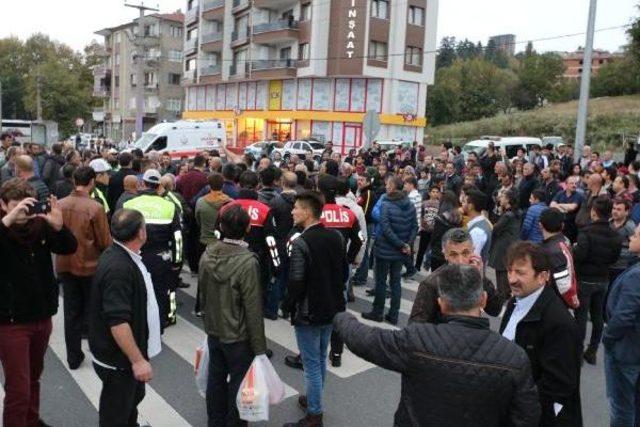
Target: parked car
(302, 149)
(510, 144)
(260, 148)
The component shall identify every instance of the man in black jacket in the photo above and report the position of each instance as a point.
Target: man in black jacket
(124, 329)
(116, 182)
(455, 373)
(537, 320)
(597, 248)
(317, 273)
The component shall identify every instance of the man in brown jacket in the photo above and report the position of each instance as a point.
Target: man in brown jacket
(88, 222)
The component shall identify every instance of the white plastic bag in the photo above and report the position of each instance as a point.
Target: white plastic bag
(202, 368)
(260, 387)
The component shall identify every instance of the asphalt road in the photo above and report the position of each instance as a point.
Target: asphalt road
(357, 394)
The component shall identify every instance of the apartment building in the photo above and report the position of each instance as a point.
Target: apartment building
(115, 81)
(574, 62)
(506, 43)
(295, 69)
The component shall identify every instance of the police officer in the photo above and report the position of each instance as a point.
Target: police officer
(99, 193)
(162, 253)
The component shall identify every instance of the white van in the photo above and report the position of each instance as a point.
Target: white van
(183, 138)
(510, 144)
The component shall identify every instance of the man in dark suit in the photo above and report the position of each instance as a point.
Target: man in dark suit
(116, 182)
(538, 321)
(124, 330)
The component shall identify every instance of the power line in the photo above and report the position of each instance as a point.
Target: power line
(483, 48)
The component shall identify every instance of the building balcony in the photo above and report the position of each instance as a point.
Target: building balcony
(275, 31)
(100, 91)
(240, 37)
(213, 10)
(151, 86)
(192, 15)
(239, 5)
(210, 70)
(212, 42)
(274, 68)
(149, 40)
(101, 71)
(190, 46)
(274, 4)
(237, 71)
(103, 52)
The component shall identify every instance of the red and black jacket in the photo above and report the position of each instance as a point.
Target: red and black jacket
(344, 220)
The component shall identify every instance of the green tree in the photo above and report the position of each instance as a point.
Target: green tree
(633, 32)
(466, 49)
(446, 52)
(617, 78)
(12, 72)
(539, 77)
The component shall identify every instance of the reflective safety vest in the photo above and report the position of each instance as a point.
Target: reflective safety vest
(98, 195)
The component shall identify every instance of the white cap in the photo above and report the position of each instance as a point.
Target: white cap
(151, 176)
(100, 165)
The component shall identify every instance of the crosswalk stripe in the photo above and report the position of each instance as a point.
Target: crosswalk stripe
(405, 305)
(184, 338)
(153, 409)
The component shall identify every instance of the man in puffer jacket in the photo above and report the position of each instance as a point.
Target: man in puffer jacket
(456, 373)
(398, 227)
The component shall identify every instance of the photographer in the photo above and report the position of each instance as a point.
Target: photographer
(28, 294)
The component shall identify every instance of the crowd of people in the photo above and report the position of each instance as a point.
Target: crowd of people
(538, 240)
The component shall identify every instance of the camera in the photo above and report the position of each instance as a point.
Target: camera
(39, 208)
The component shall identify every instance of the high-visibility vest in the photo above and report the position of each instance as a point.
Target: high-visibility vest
(98, 195)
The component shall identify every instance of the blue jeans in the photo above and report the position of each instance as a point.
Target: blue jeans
(313, 342)
(382, 269)
(361, 274)
(276, 289)
(623, 391)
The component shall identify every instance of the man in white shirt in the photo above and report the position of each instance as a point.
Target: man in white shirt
(473, 203)
(538, 321)
(124, 331)
(411, 190)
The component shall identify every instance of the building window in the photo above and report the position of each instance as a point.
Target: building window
(174, 105)
(190, 4)
(175, 56)
(285, 53)
(149, 79)
(377, 51)
(117, 59)
(380, 9)
(305, 12)
(601, 62)
(190, 64)
(303, 52)
(413, 56)
(150, 30)
(174, 79)
(416, 15)
(192, 34)
(116, 37)
(116, 103)
(116, 81)
(581, 62)
(176, 31)
(134, 79)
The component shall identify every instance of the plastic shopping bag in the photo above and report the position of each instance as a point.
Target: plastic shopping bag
(202, 368)
(260, 387)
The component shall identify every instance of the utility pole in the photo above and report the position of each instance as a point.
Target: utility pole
(139, 64)
(585, 84)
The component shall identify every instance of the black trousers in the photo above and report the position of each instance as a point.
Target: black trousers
(230, 360)
(425, 239)
(119, 399)
(591, 296)
(76, 313)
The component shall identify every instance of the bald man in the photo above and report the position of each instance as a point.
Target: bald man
(130, 185)
(595, 187)
(24, 170)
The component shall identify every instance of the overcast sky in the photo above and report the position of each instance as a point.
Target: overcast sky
(74, 21)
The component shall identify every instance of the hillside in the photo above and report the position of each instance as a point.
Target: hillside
(610, 119)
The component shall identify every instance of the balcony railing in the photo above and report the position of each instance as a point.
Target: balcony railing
(101, 71)
(210, 70)
(282, 24)
(192, 14)
(241, 34)
(212, 4)
(270, 64)
(212, 37)
(239, 70)
(151, 86)
(100, 91)
(189, 76)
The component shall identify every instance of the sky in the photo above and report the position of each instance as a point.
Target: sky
(75, 21)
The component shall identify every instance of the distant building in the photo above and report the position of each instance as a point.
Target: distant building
(115, 80)
(574, 62)
(506, 43)
(292, 69)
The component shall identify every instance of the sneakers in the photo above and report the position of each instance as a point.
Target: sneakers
(73, 365)
(302, 402)
(409, 274)
(308, 421)
(372, 316)
(589, 356)
(336, 360)
(392, 320)
(294, 362)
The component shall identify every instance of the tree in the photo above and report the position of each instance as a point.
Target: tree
(469, 90)
(633, 32)
(12, 72)
(466, 49)
(446, 53)
(539, 76)
(496, 56)
(618, 78)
